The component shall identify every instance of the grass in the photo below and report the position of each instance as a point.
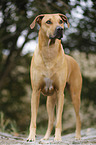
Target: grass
(7, 125)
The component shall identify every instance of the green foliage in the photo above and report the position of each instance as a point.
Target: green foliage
(82, 32)
(7, 124)
(88, 90)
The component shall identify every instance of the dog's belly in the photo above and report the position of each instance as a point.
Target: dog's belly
(47, 88)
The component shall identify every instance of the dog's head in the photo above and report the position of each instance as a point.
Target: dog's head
(51, 24)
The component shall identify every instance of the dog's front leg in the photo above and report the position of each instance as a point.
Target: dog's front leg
(34, 108)
(60, 99)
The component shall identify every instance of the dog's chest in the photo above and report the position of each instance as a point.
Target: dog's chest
(49, 81)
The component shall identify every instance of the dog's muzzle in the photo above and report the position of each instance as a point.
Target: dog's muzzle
(58, 34)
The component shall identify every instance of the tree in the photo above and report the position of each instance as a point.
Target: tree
(82, 34)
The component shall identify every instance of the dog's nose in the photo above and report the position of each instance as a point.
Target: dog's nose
(58, 28)
(59, 32)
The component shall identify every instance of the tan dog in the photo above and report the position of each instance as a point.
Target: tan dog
(50, 70)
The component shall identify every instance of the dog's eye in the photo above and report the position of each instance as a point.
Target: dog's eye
(48, 22)
(61, 22)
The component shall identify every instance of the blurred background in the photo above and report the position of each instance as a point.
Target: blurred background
(17, 44)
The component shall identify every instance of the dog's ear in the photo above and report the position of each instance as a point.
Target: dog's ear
(38, 20)
(64, 18)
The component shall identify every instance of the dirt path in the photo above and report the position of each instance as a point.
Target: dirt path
(88, 138)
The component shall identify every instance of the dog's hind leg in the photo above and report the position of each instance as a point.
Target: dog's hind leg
(51, 101)
(75, 92)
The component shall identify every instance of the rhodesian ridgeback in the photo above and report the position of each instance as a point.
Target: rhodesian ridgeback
(50, 70)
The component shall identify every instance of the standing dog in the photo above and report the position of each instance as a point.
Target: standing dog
(50, 70)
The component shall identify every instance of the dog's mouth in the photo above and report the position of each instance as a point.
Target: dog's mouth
(58, 34)
(51, 41)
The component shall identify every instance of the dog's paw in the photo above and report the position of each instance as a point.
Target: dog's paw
(32, 134)
(58, 135)
(57, 139)
(30, 139)
(78, 137)
(44, 138)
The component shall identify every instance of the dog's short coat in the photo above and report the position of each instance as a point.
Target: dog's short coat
(50, 70)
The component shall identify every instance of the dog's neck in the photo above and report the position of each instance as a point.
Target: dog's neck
(48, 51)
